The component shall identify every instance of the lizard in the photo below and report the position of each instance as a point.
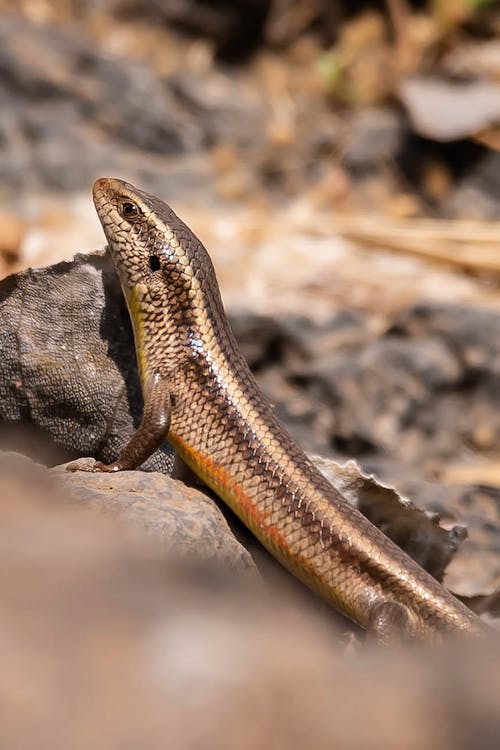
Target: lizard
(199, 393)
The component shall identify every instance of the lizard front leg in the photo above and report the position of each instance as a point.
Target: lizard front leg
(149, 436)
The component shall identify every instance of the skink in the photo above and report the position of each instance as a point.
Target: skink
(200, 394)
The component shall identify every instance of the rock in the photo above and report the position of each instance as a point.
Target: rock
(68, 365)
(471, 333)
(102, 632)
(288, 359)
(146, 115)
(183, 519)
(393, 378)
(230, 110)
(56, 156)
(423, 389)
(61, 98)
(64, 96)
(307, 341)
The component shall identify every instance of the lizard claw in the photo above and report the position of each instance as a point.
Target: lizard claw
(82, 464)
(91, 465)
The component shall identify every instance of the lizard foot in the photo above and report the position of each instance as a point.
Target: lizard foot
(391, 624)
(91, 465)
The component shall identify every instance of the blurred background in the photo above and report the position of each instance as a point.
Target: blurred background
(340, 161)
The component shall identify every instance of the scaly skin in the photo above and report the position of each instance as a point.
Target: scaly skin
(199, 391)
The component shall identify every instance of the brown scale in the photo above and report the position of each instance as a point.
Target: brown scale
(199, 391)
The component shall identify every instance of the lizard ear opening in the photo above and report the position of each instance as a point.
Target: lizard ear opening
(154, 262)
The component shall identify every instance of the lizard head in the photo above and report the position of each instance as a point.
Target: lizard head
(149, 244)
(166, 274)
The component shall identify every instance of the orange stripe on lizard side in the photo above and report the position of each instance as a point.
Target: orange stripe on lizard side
(222, 482)
(225, 485)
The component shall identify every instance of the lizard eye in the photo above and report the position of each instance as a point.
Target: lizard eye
(154, 262)
(129, 210)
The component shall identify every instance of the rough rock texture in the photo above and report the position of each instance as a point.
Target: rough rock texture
(105, 645)
(183, 519)
(68, 362)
